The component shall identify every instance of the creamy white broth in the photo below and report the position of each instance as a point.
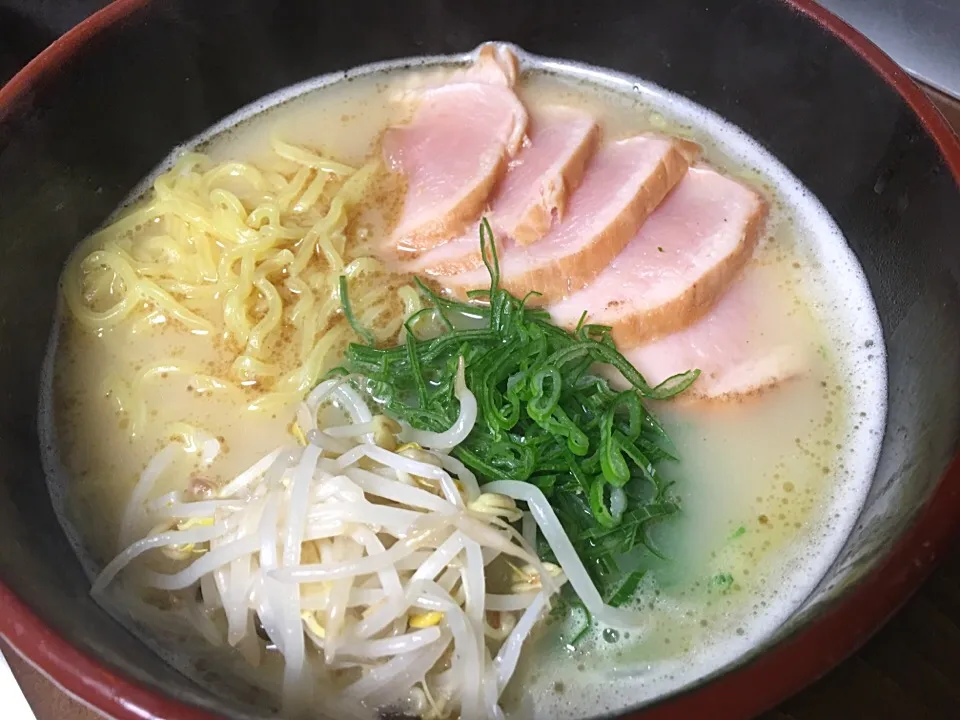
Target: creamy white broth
(768, 487)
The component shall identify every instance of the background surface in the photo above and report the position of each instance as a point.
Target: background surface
(910, 670)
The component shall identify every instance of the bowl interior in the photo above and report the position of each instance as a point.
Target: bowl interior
(86, 129)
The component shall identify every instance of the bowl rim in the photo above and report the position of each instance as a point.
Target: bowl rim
(743, 691)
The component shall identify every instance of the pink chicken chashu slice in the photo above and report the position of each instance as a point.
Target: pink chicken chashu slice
(746, 345)
(534, 193)
(455, 149)
(539, 184)
(622, 185)
(677, 266)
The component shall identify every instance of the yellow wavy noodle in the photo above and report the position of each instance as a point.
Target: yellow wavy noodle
(249, 252)
(228, 207)
(234, 171)
(200, 381)
(291, 189)
(267, 213)
(127, 395)
(144, 324)
(270, 320)
(412, 302)
(190, 435)
(128, 402)
(204, 248)
(310, 196)
(356, 185)
(303, 156)
(277, 182)
(84, 309)
(319, 236)
(273, 264)
(361, 266)
(292, 386)
(235, 318)
(249, 369)
(152, 293)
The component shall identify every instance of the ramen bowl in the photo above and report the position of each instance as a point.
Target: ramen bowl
(92, 115)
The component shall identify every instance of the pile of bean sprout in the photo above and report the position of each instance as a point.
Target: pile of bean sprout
(362, 557)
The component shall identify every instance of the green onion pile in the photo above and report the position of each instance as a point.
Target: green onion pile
(547, 414)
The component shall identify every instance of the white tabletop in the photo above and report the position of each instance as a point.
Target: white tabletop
(14, 704)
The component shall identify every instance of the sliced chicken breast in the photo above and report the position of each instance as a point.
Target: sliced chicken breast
(747, 344)
(455, 149)
(622, 185)
(677, 266)
(545, 174)
(534, 193)
(496, 64)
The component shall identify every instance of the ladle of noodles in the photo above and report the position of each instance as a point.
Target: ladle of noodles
(250, 254)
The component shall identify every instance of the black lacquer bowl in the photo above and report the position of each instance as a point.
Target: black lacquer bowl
(97, 110)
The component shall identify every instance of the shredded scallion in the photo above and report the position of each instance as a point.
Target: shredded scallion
(547, 414)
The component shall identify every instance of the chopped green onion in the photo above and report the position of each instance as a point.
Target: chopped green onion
(722, 582)
(363, 333)
(545, 413)
(627, 589)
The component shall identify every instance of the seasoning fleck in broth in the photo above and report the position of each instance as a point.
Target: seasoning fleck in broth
(766, 488)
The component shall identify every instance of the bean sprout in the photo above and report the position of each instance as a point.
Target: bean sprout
(364, 567)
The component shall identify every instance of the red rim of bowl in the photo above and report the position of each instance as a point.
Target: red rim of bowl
(742, 692)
